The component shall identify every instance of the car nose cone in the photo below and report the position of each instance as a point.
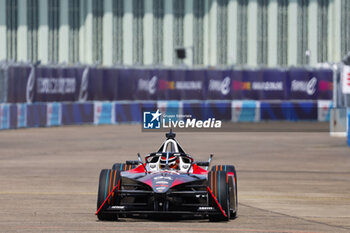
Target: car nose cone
(161, 183)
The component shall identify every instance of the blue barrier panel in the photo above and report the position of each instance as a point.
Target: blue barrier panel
(21, 115)
(288, 111)
(268, 111)
(103, 113)
(205, 110)
(4, 116)
(54, 114)
(219, 110)
(245, 111)
(149, 106)
(132, 112)
(36, 115)
(81, 113)
(303, 111)
(127, 112)
(197, 110)
(170, 109)
(13, 116)
(274, 111)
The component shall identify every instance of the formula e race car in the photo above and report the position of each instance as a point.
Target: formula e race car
(169, 182)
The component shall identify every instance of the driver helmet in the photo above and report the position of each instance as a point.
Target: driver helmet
(172, 162)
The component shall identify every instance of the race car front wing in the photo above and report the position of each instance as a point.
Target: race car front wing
(161, 204)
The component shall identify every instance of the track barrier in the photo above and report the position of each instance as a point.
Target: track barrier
(29, 84)
(14, 116)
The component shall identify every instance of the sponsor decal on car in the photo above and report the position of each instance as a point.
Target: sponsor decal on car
(163, 177)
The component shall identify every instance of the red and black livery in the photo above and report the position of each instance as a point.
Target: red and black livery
(169, 182)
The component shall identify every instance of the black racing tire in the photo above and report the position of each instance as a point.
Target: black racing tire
(219, 186)
(233, 193)
(108, 180)
(122, 167)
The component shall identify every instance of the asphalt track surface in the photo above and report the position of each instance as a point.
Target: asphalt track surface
(287, 182)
